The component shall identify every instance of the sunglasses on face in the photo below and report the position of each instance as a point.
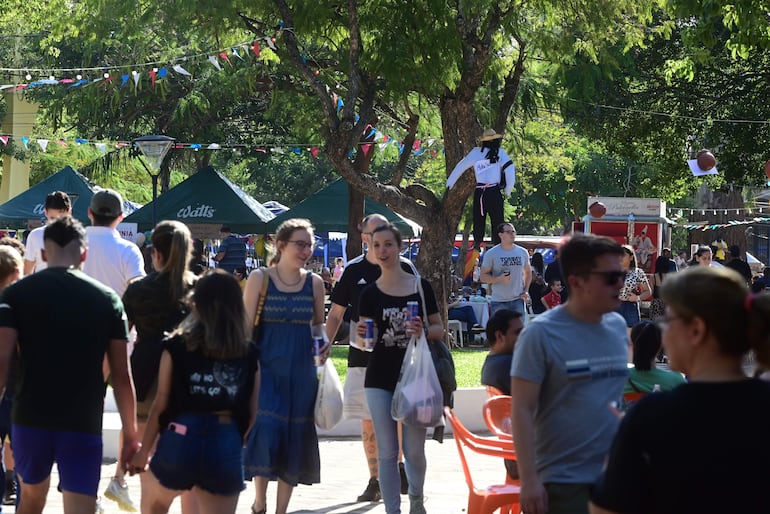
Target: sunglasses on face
(610, 277)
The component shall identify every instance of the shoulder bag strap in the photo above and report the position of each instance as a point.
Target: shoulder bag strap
(262, 295)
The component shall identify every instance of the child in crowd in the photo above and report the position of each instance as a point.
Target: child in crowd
(553, 298)
(205, 403)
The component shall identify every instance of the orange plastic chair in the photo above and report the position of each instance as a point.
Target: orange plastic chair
(493, 391)
(497, 416)
(493, 497)
(632, 397)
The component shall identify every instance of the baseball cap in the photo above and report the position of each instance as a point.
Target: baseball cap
(107, 202)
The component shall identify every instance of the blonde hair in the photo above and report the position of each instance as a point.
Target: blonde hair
(285, 231)
(739, 320)
(215, 324)
(172, 240)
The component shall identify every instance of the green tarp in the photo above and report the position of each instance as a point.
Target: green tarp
(328, 211)
(28, 205)
(206, 198)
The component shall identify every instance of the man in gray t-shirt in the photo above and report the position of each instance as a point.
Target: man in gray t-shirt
(507, 269)
(568, 365)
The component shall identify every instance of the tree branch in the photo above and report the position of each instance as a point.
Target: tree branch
(510, 89)
(408, 141)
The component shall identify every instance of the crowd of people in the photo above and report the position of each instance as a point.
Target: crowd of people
(215, 378)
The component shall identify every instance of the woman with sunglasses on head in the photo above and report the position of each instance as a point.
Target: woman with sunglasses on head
(283, 444)
(635, 289)
(713, 430)
(385, 303)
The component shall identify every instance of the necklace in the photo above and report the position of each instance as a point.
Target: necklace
(286, 283)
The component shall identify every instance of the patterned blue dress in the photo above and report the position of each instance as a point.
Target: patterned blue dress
(283, 443)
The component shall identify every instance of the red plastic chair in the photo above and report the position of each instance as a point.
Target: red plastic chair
(493, 391)
(497, 416)
(633, 397)
(493, 497)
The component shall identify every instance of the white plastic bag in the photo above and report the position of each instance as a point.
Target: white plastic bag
(418, 400)
(328, 400)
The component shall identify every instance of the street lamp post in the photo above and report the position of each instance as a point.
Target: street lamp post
(154, 150)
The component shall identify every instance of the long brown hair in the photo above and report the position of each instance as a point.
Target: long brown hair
(215, 324)
(284, 233)
(172, 240)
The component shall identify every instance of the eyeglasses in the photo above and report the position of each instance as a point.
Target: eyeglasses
(664, 321)
(610, 277)
(302, 245)
(509, 231)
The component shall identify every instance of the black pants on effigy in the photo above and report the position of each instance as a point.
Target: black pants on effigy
(486, 200)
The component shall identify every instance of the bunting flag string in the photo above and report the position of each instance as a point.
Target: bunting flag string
(715, 226)
(418, 148)
(679, 211)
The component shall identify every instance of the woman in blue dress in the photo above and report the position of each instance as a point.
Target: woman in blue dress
(283, 444)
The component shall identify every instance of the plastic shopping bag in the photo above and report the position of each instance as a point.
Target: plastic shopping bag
(328, 400)
(418, 399)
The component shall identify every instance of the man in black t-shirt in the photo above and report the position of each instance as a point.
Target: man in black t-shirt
(59, 398)
(359, 273)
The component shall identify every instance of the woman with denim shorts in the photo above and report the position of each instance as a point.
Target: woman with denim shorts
(204, 404)
(385, 303)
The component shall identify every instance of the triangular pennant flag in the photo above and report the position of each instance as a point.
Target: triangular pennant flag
(162, 73)
(195, 146)
(255, 47)
(81, 141)
(382, 146)
(297, 150)
(224, 56)
(314, 151)
(214, 146)
(270, 41)
(278, 150)
(260, 150)
(177, 68)
(340, 104)
(416, 144)
(213, 60)
(4, 139)
(235, 53)
(61, 142)
(123, 79)
(431, 141)
(366, 148)
(136, 76)
(43, 143)
(25, 142)
(102, 147)
(153, 73)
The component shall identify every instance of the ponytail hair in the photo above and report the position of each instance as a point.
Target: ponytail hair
(647, 340)
(493, 146)
(172, 240)
(739, 320)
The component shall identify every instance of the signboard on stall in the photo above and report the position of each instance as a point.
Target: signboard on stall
(625, 206)
(127, 231)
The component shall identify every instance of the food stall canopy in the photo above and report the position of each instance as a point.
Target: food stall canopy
(206, 198)
(328, 211)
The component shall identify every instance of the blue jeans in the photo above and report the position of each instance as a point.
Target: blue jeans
(464, 313)
(386, 431)
(630, 312)
(513, 305)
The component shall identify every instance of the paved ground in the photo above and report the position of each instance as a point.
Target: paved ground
(343, 478)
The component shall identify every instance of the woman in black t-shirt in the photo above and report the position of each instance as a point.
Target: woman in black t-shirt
(204, 406)
(385, 302)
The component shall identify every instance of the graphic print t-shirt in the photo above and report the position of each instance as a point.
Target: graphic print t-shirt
(389, 314)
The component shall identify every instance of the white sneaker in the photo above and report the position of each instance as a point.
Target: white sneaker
(118, 492)
(99, 508)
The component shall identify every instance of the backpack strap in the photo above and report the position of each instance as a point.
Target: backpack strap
(262, 295)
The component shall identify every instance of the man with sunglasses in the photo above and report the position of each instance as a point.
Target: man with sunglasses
(569, 365)
(507, 269)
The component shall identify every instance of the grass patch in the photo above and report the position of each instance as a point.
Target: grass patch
(468, 362)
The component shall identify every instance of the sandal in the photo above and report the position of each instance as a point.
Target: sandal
(255, 511)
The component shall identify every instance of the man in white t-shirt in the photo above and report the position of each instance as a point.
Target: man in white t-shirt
(56, 204)
(507, 269)
(115, 262)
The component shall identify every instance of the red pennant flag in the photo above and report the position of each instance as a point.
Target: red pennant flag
(314, 151)
(4, 139)
(366, 148)
(224, 56)
(261, 150)
(386, 139)
(61, 142)
(433, 153)
(416, 144)
(255, 47)
(153, 74)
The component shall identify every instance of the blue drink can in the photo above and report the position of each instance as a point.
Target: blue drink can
(412, 310)
(368, 338)
(318, 343)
